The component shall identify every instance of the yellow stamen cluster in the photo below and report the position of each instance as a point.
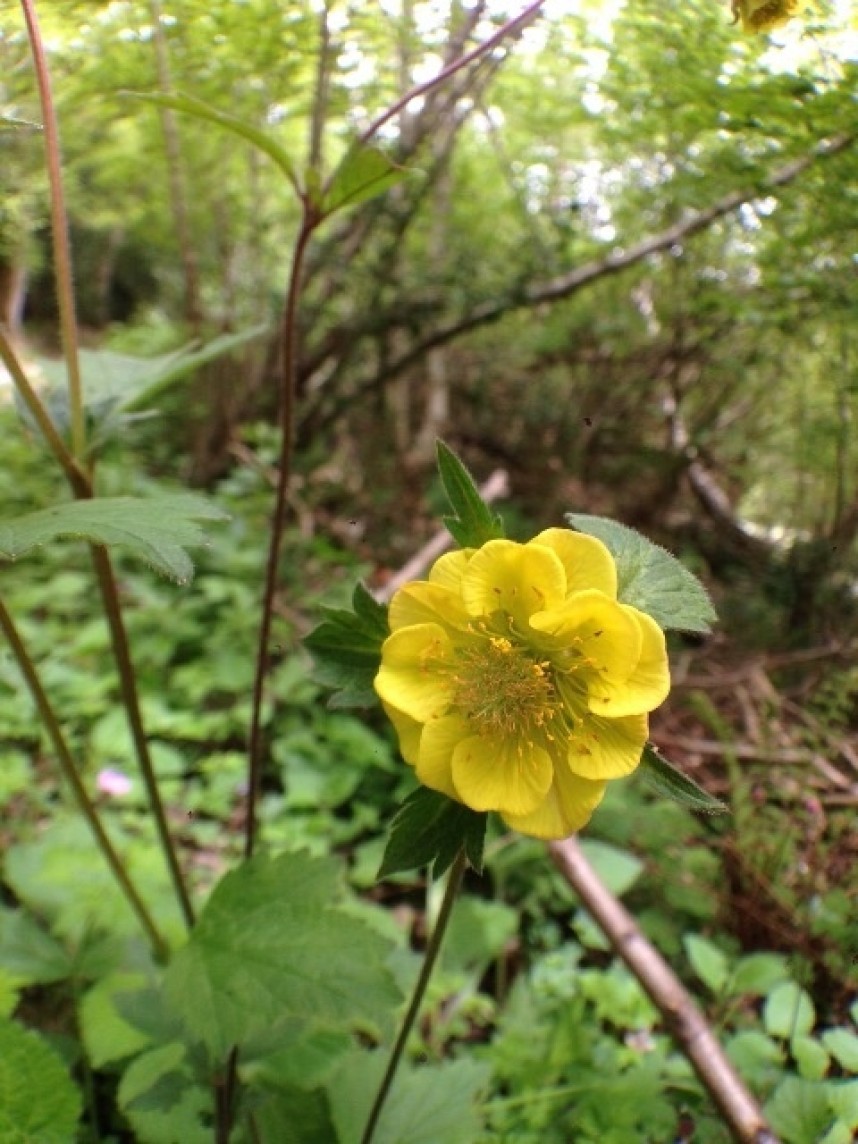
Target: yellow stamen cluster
(500, 688)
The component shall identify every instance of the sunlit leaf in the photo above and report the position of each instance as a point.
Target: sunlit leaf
(39, 1104)
(363, 173)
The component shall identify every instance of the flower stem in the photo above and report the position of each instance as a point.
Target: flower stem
(70, 772)
(431, 956)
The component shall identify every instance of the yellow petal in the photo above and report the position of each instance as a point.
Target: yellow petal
(586, 561)
(518, 579)
(438, 741)
(602, 639)
(649, 683)
(414, 676)
(450, 568)
(422, 603)
(607, 748)
(408, 732)
(490, 773)
(567, 807)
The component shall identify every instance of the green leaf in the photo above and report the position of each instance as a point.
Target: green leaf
(38, 1102)
(426, 1105)
(843, 1046)
(667, 780)
(190, 105)
(758, 973)
(292, 1116)
(650, 578)
(812, 1059)
(429, 830)
(708, 962)
(158, 529)
(788, 1010)
(13, 123)
(271, 944)
(473, 522)
(617, 869)
(107, 1035)
(29, 952)
(843, 1097)
(159, 1097)
(363, 173)
(478, 932)
(346, 648)
(799, 1111)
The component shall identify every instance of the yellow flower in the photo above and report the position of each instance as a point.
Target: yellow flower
(764, 15)
(516, 681)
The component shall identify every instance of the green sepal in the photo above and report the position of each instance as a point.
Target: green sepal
(429, 830)
(346, 648)
(650, 578)
(667, 780)
(472, 522)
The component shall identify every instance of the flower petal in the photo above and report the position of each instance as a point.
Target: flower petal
(435, 759)
(494, 773)
(423, 603)
(408, 731)
(450, 568)
(607, 748)
(594, 637)
(414, 676)
(567, 807)
(518, 579)
(586, 560)
(648, 684)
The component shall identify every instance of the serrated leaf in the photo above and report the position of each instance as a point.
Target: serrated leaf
(190, 105)
(346, 649)
(363, 173)
(256, 956)
(667, 780)
(157, 529)
(426, 1105)
(39, 1104)
(473, 522)
(708, 962)
(788, 1011)
(429, 830)
(650, 578)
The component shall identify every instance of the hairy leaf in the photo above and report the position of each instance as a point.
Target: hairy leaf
(650, 578)
(472, 522)
(346, 648)
(429, 830)
(272, 944)
(665, 779)
(158, 529)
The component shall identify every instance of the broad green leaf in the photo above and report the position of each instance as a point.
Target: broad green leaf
(159, 1097)
(426, 1105)
(107, 1035)
(667, 780)
(758, 973)
(843, 1096)
(810, 1056)
(39, 1104)
(292, 1116)
(157, 529)
(472, 522)
(650, 578)
(429, 830)
(759, 1059)
(788, 1010)
(843, 1046)
(190, 105)
(299, 1054)
(271, 944)
(479, 931)
(346, 648)
(29, 952)
(363, 173)
(617, 869)
(708, 962)
(799, 1111)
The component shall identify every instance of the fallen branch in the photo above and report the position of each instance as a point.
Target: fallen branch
(681, 1016)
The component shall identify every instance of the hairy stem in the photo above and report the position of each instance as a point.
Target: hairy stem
(431, 956)
(59, 233)
(72, 777)
(131, 701)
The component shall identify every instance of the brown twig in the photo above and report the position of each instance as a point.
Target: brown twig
(681, 1016)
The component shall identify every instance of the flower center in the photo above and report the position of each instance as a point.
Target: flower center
(502, 689)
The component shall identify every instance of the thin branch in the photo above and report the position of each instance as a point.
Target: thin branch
(59, 233)
(684, 1021)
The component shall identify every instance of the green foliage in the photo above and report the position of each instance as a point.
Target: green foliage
(363, 173)
(156, 529)
(665, 779)
(347, 649)
(472, 522)
(38, 1102)
(429, 830)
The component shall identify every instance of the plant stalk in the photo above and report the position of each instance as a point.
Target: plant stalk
(70, 772)
(59, 233)
(432, 950)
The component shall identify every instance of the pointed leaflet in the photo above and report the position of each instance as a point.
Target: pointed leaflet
(363, 173)
(430, 829)
(650, 578)
(664, 778)
(473, 523)
(155, 528)
(190, 105)
(346, 648)
(38, 1102)
(272, 944)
